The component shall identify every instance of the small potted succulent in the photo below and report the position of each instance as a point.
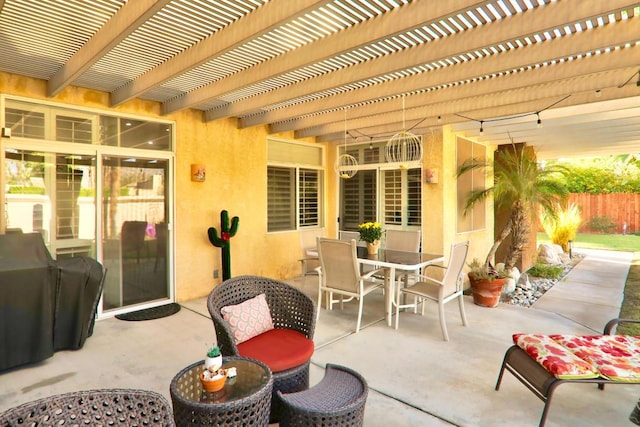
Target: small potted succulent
(213, 359)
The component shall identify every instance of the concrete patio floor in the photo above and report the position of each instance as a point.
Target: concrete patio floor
(415, 378)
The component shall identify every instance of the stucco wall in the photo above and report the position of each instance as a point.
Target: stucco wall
(236, 181)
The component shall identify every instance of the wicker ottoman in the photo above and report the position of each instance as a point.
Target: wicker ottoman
(337, 400)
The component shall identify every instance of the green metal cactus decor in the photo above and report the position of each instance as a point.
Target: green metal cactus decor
(226, 233)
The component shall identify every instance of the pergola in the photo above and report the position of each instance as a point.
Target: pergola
(493, 69)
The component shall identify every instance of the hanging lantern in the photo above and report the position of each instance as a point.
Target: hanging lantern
(404, 147)
(346, 165)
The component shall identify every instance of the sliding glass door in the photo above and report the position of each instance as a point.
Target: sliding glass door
(93, 184)
(55, 194)
(134, 230)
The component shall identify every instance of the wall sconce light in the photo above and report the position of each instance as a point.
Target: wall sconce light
(431, 176)
(198, 172)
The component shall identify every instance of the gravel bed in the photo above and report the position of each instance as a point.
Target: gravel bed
(530, 288)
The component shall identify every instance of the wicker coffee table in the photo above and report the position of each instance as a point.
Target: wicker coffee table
(244, 400)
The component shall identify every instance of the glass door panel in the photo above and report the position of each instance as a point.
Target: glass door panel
(53, 194)
(134, 230)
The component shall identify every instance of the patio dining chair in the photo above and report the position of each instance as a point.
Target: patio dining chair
(340, 274)
(403, 240)
(442, 291)
(310, 261)
(348, 235)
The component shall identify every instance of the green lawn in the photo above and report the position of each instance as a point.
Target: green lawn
(617, 242)
(614, 242)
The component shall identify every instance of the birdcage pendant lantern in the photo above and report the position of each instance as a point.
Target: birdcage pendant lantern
(403, 147)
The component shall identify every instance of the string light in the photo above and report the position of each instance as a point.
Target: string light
(517, 116)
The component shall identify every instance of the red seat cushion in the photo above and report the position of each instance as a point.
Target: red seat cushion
(279, 349)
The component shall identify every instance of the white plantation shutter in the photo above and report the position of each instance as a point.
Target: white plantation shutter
(359, 200)
(414, 197)
(392, 197)
(309, 202)
(281, 187)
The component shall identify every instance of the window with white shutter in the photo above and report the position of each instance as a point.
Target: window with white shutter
(294, 185)
(414, 197)
(475, 219)
(280, 187)
(376, 193)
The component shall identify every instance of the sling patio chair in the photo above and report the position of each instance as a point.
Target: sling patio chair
(441, 291)
(340, 274)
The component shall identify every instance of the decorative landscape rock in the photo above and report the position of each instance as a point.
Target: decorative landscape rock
(530, 288)
(513, 276)
(547, 254)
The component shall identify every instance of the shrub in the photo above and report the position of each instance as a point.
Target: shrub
(545, 271)
(19, 189)
(564, 226)
(602, 224)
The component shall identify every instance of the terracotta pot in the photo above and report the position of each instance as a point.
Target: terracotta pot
(486, 293)
(213, 385)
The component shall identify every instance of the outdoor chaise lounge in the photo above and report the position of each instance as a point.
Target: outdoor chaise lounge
(543, 362)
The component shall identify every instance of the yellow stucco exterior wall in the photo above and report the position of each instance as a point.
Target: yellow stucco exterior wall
(236, 181)
(480, 240)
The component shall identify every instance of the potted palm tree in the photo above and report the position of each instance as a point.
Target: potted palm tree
(520, 187)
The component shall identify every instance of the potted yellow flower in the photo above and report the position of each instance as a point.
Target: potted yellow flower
(371, 232)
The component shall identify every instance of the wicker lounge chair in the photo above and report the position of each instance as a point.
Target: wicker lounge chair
(290, 309)
(114, 407)
(337, 400)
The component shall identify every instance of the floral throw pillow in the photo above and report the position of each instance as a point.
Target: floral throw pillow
(249, 318)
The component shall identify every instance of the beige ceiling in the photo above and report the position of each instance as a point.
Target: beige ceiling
(314, 66)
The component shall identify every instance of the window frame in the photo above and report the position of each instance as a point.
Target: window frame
(299, 167)
(365, 163)
(476, 219)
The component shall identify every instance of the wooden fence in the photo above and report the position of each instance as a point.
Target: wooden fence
(620, 208)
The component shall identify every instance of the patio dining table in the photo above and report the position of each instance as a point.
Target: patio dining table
(393, 261)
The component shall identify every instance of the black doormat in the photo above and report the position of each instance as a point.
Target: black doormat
(151, 313)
